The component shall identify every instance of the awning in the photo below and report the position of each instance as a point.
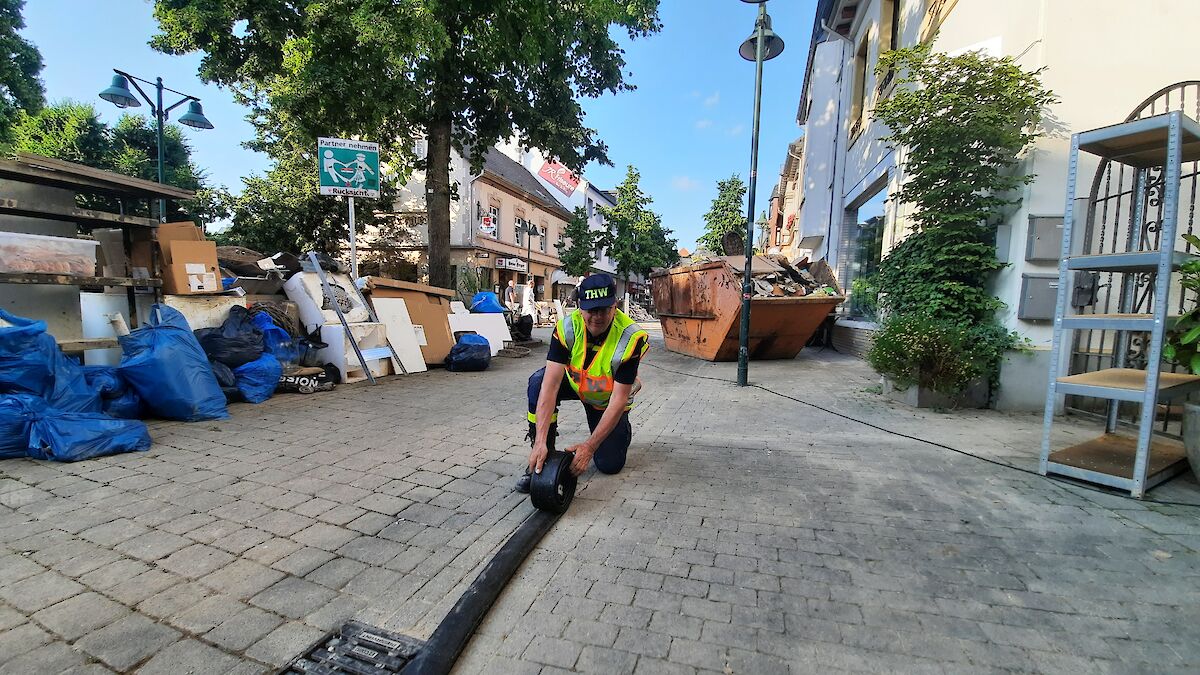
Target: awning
(812, 242)
(561, 277)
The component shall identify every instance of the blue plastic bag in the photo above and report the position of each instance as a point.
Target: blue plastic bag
(257, 380)
(31, 362)
(276, 340)
(486, 302)
(70, 437)
(165, 365)
(16, 412)
(471, 353)
(118, 399)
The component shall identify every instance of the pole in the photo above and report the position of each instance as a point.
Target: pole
(353, 243)
(158, 118)
(528, 261)
(744, 337)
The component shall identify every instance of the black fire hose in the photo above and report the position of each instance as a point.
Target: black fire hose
(551, 492)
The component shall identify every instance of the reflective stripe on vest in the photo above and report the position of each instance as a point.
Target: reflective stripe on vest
(594, 385)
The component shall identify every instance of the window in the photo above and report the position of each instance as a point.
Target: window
(889, 34)
(858, 103)
(591, 209)
(519, 227)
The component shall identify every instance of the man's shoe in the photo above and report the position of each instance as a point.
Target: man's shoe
(523, 484)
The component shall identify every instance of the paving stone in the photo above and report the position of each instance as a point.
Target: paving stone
(336, 573)
(173, 600)
(153, 545)
(242, 578)
(284, 643)
(128, 642)
(325, 536)
(643, 642)
(114, 532)
(206, 614)
(553, 651)
(41, 590)
(20, 640)
(74, 617)
(303, 561)
(293, 598)
(195, 561)
(243, 629)
(56, 657)
(190, 656)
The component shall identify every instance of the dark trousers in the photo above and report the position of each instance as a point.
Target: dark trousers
(610, 456)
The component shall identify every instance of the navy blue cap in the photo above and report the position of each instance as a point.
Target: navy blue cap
(596, 291)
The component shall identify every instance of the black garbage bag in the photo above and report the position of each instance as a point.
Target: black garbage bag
(228, 381)
(237, 342)
(471, 353)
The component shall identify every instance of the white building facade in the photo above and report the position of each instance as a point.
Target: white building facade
(1102, 58)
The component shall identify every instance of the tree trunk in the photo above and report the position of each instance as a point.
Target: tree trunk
(437, 201)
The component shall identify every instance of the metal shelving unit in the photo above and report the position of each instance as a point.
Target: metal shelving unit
(1129, 463)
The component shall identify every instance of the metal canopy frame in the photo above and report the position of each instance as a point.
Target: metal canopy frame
(1160, 141)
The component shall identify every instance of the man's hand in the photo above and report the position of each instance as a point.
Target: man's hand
(583, 455)
(537, 456)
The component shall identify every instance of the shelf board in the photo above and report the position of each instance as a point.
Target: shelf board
(1109, 459)
(69, 280)
(72, 346)
(1133, 261)
(1126, 384)
(1134, 322)
(1142, 143)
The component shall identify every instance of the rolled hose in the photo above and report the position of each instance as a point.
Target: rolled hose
(553, 488)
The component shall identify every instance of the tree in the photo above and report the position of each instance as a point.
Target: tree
(636, 239)
(73, 131)
(962, 122)
(283, 211)
(67, 130)
(463, 74)
(20, 64)
(727, 214)
(576, 253)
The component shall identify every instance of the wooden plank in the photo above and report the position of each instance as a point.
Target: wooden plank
(69, 280)
(116, 181)
(1114, 455)
(72, 346)
(1129, 378)
(33, 209)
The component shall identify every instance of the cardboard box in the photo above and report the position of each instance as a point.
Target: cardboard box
(193, 268)
(429, 309)
(168, 233)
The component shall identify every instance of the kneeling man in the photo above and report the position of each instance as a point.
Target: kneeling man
(593, 358)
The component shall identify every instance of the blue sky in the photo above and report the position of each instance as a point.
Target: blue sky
(686, 126)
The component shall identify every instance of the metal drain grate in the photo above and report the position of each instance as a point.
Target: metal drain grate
(358, 649)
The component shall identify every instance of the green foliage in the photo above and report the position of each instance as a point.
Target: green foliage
(282, 210)
(460, 73)
(67, 130)
(73, 132)
(962, 122)
(20, 64)
(864, 294)
(1182, 345)
(636, 239)
(727, 214)
(576, 251)
(945, 356)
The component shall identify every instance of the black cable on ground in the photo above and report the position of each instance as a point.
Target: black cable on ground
(927, 441)
(451, 636)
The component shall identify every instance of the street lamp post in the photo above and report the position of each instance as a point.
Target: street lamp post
(119, 94)
(762, 45)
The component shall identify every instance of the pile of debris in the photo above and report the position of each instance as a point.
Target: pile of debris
(772, 276)
(639, 313)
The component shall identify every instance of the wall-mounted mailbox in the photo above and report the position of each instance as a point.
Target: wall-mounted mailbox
(1044, 239)
(1039, 295)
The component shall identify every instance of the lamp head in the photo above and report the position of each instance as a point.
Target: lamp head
(772, 43)
(118, 93)
(194, 117)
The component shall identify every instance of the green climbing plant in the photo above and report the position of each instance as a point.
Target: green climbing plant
(962, 122)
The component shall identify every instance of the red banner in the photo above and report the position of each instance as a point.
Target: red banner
(560, 177)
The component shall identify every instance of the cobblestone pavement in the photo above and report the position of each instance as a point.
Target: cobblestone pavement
(748, 534)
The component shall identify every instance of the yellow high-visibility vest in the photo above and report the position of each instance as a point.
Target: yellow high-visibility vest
(594, 384)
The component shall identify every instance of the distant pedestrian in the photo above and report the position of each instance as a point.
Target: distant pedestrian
(510, 295)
